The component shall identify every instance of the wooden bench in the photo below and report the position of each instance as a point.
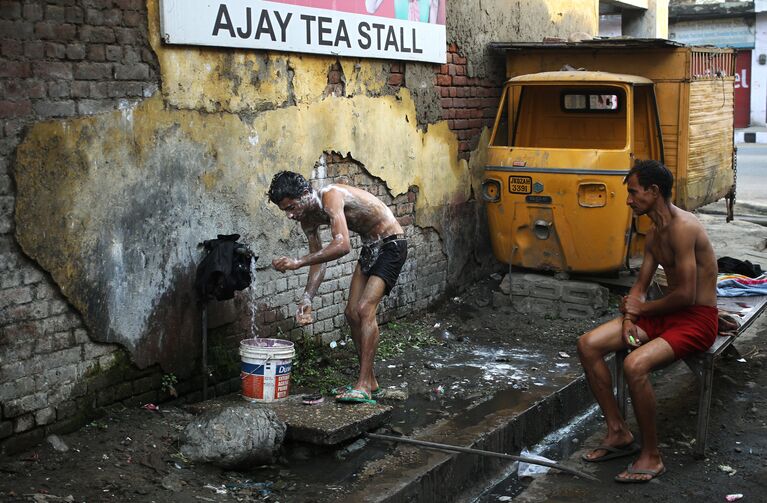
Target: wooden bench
(702, 364)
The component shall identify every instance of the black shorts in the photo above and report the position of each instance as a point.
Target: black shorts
(384, 259)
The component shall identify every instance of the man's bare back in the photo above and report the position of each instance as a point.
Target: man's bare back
(365, 214)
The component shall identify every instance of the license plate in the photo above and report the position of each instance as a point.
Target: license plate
(520, 184)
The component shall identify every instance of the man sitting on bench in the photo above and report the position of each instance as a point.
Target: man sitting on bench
(659, 332)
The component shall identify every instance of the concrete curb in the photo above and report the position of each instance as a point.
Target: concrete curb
(439, 477)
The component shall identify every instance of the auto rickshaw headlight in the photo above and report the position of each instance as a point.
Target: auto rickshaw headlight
(542, 229)
(491, 190)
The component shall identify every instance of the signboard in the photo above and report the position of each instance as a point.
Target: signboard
(743, 89)
(411, 30)
(731, 32)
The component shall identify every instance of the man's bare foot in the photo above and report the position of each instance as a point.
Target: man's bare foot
(613, 446)
(636, 474)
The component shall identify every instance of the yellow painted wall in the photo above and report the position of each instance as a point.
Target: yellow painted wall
(114, 205)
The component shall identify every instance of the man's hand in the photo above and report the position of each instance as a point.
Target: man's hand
(304, 312)
(630, 334)
(631, 306)
(283, 264)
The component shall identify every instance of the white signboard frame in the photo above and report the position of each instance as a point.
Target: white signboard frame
(273, 25)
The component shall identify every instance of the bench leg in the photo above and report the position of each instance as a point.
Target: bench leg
(704, 405)
(620, 382)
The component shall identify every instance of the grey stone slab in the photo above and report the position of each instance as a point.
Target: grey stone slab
(328, 423)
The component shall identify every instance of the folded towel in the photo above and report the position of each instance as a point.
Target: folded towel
(738, 285)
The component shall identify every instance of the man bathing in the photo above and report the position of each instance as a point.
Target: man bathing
(384, 250)
(658, 332)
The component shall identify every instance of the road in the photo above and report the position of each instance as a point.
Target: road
(752, 174)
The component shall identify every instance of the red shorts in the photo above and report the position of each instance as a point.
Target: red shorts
(691, 330)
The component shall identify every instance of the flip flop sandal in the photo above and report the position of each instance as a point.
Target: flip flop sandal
(654, 474)
(377, 393)
(355, 396)
(612, 452)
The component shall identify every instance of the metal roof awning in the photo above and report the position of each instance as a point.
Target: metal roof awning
(598, 43)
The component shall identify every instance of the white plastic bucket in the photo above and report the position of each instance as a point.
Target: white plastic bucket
(265, 370)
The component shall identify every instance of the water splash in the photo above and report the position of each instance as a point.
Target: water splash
(253, 301)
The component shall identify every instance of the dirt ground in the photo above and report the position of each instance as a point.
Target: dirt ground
(432, 366)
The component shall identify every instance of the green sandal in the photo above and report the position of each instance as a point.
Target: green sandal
(355, 396)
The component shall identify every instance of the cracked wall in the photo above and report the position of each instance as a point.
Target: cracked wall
(126, 153)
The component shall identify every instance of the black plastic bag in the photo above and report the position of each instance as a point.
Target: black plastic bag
(225, 268)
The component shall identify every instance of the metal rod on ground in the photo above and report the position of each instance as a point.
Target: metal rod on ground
(445, 447)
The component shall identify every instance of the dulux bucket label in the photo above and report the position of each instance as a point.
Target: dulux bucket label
(266, 381)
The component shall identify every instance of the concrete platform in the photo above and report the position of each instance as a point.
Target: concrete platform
(328, 423)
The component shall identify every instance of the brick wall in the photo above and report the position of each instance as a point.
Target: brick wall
(468, 103)
(60, 58)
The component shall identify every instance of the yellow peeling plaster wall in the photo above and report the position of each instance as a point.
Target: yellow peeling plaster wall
(114, 205)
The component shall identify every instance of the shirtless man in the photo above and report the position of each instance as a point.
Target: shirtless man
(658, 332)
(383, 253)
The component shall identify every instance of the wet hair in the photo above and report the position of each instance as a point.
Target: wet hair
(651, 172)
(287, 184)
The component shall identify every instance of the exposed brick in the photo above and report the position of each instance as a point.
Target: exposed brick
(26, 404)
(32, 11)
(75, 51)
(75, 15)
(130, 4)
(94, 16)
(55, 50)
(138, 71)
(20, 30)
(13, 109)
(113, 17)
(97, 34)
(23, 423)
(34, 49)
(126, 36)
(53, 70)
(55, 108)
(124, 89)
(55, 13)
(113, 53)
(10, 9)
(396, 79)
(96, 52)
(92, 71)
(55, 31)
(131, 55)
(15, 69)
(133, 19)
(45, 416)
(59, 89)
(92, 107)
(12, 49)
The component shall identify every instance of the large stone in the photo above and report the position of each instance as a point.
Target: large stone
(234, 436)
